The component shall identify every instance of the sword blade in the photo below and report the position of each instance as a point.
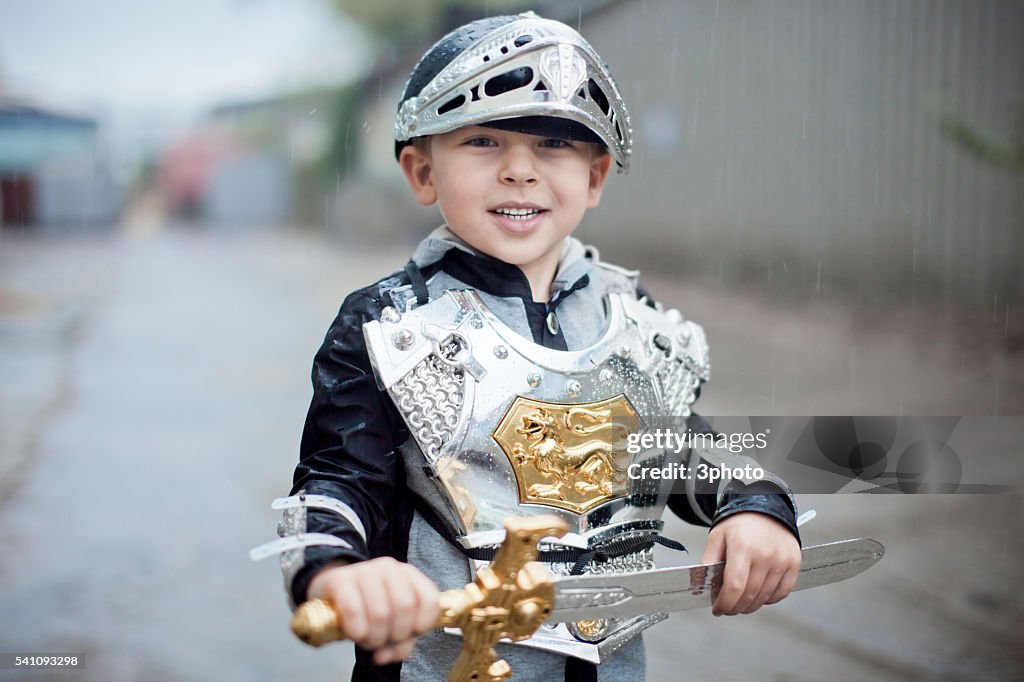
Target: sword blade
(690, 587)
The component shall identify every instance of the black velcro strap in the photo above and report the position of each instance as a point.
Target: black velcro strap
(419, 285)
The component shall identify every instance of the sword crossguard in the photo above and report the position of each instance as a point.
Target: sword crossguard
(509, 598)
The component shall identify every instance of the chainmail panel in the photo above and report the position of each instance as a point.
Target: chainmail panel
(430, 398)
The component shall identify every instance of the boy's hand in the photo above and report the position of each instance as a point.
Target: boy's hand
(384, 604)
(762, 561)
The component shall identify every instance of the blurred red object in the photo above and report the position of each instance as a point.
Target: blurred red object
(186, 167)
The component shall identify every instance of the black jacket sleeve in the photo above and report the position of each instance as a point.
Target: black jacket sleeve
(349, 449)
(771, 497)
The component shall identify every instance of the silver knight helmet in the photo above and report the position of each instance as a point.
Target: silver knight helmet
(522, 73)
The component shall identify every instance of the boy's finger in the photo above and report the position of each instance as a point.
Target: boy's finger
(392, 653)
(737, 569)
(714, 551)
(350, 606)
(426, 615)
(384, 655)
(755, 583)
(404, 604)
(378, 610)
(785, 586)
(768, 587)
(401, 651)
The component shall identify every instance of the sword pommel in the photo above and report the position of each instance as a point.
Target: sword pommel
(509, 598)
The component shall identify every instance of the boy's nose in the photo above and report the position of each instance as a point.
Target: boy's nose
(519, 167)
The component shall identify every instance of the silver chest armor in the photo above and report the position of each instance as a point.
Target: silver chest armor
(509, 427)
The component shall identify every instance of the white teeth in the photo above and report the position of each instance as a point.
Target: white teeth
(518, 213)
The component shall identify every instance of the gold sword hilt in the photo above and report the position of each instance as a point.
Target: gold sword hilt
(508, 598)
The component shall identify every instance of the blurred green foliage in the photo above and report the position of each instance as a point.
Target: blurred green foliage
(1008, 155)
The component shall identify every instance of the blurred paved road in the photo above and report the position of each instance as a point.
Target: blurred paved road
(153, 389)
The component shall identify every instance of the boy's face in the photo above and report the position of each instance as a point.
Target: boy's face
(510, 195)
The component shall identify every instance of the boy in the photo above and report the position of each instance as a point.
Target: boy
(502, 349)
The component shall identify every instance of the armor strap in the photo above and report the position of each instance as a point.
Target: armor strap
(419, 285)
(579, 558)
(622, 547)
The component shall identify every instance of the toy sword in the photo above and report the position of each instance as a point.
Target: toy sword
(512, 596)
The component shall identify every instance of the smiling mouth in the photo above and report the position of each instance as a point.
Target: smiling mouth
(518, 213)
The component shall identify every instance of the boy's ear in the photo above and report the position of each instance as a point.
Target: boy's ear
(600, 165)
(419, 173)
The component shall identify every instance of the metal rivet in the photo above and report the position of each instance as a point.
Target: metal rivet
(500, 352)
(390, 315)
(533, 379)
(589, 630)
(605, 375)
(403, 339)
(573, 388)
(625, 351)
(552, 323)
(476, 323)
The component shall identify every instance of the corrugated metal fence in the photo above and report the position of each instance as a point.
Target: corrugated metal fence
(798, 142)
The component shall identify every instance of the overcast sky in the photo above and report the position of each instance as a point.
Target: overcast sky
(147, 67)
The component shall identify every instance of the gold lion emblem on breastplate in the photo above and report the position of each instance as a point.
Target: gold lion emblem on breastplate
(570, 456)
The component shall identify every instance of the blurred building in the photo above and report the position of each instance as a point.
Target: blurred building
(796, 146)
(255, 163)
(52, 174)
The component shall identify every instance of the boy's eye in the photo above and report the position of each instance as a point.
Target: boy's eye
(480, 142)
(553, 143)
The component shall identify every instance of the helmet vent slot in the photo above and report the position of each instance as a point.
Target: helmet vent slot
(509, 81)
(523, 40)
(597, 94)
(451, 105)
